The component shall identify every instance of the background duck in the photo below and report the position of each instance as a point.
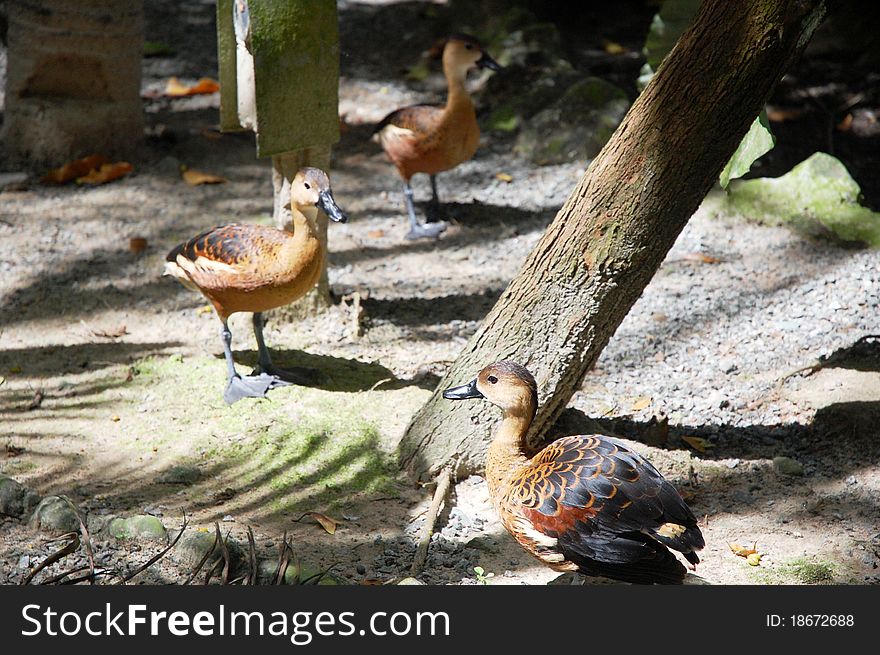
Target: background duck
(432, 139)
(254, 268)
(584, 503)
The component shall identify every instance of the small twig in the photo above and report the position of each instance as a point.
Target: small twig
(380, 383)
(61, 576)
(201, 563)
(252, 558)
(224, 550)
(86, 538)
(155, 558)
(281, 569)
(317, 577)
(71, 547)
(443, 481)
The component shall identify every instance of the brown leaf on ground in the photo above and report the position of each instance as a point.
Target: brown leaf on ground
(176, 89)
(137, 244)
(74, 169)
(504, 177)
(640, 403)
(777, 115)
(743, 551)
(376, 234)
(701, 258)
(698, 443)
(846, 124)
(106, 173)
(325, 521)
(194, 178)
(613, 48)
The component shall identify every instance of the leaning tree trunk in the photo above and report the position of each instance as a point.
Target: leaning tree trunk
(73, 82)
(612, 234)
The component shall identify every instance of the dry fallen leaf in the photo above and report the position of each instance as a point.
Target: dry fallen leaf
(204, 309)
(115, 418)
(504, 177)
(210, 134)
(176, 89)
(106, 173)
(782, 115)
(74, 169)
(613, 48)
(640, 403)
(701, 258)
(325, 521)
(194, 177)
(376, 234)
(698, 443)
(743, 551)
(137, 244)
(845, 124)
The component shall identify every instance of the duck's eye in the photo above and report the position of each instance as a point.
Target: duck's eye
(469, 46)
(492, 379)
(307, 185)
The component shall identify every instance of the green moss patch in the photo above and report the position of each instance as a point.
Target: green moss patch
(817, 197)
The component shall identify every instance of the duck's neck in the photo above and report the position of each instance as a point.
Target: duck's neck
(303, 223)
(457, 94)
(507, 451)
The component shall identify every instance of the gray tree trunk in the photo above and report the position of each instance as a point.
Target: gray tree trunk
(73, 80)
(610, 237)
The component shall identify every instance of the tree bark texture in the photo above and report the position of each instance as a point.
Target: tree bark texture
(612, 234)
(73, 82)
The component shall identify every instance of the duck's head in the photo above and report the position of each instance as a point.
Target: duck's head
(311, 188)
(505, 384)
(462, 53)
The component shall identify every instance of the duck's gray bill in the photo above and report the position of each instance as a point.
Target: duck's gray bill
(487, 62)
(327, 205)
(463, 392)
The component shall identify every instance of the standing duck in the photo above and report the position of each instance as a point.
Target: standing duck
(585, 503)
(254, 268)
(432, 139)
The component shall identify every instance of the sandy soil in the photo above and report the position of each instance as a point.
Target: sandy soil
(129, 373)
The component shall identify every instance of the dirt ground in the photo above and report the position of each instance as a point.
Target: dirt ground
(111, 375)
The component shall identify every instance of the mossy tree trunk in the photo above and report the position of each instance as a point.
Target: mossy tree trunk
(610, 237)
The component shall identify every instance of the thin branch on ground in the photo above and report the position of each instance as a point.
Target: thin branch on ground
(68, 549)
(444, 480)
(155, 558)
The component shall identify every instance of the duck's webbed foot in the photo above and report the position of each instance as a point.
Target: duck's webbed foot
(251, 386)
(426, 230)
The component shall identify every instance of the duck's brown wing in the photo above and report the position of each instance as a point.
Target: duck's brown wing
(415, 118)
(228, 255)
(607, 505)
